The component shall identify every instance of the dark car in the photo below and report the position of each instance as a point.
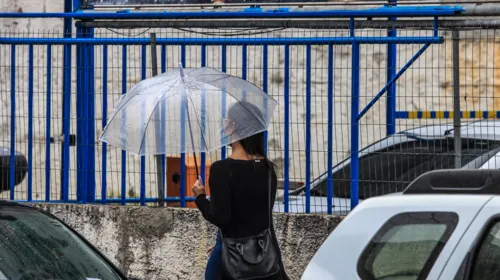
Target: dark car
(36, 245)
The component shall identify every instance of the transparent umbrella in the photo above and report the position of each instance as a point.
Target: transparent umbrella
(188, 111)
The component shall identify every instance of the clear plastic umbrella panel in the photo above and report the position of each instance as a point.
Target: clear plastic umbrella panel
(188, 111)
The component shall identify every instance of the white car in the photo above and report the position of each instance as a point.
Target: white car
(445, 225)
(389, 165)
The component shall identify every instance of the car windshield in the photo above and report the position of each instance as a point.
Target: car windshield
(391, 169)
(34, 245)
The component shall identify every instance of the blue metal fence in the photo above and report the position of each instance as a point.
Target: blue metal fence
(103, 60)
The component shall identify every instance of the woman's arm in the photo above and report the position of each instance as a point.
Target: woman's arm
(218, 210)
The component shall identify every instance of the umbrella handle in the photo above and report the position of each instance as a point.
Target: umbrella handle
(196, 166)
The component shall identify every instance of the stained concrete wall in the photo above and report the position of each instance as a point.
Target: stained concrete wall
(171, 243)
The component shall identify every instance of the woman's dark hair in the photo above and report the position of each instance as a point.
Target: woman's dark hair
(246, 114)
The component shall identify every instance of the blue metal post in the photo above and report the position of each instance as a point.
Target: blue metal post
(124, 154)
(286, 166)
(104, 121)
(143, 116)
(76, 5)
(163, 58)
(66, 107)
(265, 89)
(224, 69)
(330, 129)
(163, 118)
(203, 116)
(308, 128)
(84, 115)
(80, 176)
(391, 72)
(30, 122)
(12, 121)
(47, 122)
(91, 120)
(354, 122)
(183, 138)
(244, 67)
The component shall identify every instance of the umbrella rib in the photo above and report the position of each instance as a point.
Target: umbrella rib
(196, 115)
(119, 108)
(150, 116)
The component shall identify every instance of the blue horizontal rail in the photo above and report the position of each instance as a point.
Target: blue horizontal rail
(415, 11)
(224, 41)
(111, 200)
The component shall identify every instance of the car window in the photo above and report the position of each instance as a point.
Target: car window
(36, 246)
(486, 264)
(406, 246)
(391, 169)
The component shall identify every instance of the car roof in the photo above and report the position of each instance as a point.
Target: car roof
(481, 129)
(12, 203)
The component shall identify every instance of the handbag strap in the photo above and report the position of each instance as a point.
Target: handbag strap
(269, 194)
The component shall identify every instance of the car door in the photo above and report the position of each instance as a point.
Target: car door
(477, 255)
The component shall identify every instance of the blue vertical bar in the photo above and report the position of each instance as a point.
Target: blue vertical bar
(244, 62)
(66, 110)
(203, 116)
(84, 115)
(143, 116)
(12, 120)
(47, 122)
(66, 122)
(355, 126)
(91, 140)
(308, 128)
(330, 129)
(80, 177)
(391, 72)
(124, 154)
(76, 5)
(286, 167)
(224, 69)
(30, 122)
(265, 89)
(183, 138)
(244, 67)
(163, 58)
(163, 118)
(104, 121)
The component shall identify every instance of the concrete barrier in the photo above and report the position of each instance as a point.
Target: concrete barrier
(171, 243)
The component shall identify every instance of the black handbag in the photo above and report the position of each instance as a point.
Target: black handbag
(252, 257)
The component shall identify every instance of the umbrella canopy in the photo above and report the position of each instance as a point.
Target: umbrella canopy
(187, 111)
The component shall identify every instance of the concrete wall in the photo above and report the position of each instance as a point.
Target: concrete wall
(171, 243)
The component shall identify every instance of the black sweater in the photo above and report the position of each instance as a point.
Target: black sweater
(239, 198)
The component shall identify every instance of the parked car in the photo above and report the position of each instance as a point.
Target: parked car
(21, 168)
(389, 165)
(421, 234)
(37, 245)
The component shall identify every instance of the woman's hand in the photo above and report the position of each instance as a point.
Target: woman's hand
(198, 188)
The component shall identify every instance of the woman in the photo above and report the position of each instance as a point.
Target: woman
(240, 205)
